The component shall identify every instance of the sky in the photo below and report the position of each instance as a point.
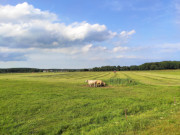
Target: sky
(88, 33)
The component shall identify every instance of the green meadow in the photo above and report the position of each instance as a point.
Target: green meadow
(133, 102)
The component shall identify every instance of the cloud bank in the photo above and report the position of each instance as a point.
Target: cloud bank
(25, 30)
(24, 26)
(30, 36)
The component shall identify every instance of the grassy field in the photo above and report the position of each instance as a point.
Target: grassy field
(62, 103)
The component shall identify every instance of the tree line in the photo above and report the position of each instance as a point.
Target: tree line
(20, 70)
(32, 70)
(146, 66)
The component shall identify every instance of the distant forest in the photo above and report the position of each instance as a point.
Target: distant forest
(33, 70)
(145, 66)
(20, 70)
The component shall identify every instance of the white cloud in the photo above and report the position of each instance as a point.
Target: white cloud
(122, 39)
(24, 13)
(120, 49)
(127, 33)
(69, 50)
(72, 50)
(16, 50)
(87, 48)
(129, 57)
(24, 26)
(26, 31)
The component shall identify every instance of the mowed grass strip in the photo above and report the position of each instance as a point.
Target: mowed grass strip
(74, 76)
(168, 79)
(161, 80)
(150, 79)
(30, 105)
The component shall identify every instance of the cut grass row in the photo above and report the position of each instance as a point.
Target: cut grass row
(151, 79)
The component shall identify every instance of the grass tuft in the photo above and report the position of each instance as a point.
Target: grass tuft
(121, 81)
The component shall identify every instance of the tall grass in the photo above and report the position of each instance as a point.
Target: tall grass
(120, 81)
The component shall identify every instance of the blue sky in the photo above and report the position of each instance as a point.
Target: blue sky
(88, 33)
